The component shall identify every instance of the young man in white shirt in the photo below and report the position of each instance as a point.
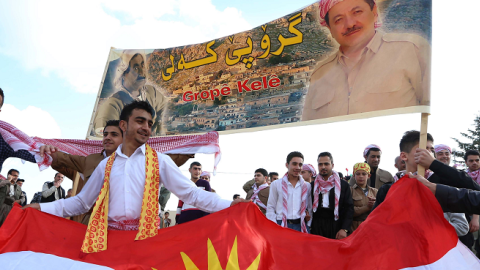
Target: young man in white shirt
(289, 201)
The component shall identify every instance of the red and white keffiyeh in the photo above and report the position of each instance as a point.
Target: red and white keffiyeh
(310, 168)
(370, 147)
(441, 147)
(255, 198)
(303, 206)
(475, 175)
(324, 7)
(188, 144)
(324, 187)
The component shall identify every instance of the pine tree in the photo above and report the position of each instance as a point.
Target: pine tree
(473, 135)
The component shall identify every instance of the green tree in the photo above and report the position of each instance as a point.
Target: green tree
(473, 135)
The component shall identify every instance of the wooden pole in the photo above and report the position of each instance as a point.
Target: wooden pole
(75, 183)
(423, 140)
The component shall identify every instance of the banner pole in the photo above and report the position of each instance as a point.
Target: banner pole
(423, 139)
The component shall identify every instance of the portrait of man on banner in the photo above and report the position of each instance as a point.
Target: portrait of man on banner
(371, 70)
(131, 83)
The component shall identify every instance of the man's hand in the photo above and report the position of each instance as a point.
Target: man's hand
(32, 205)
(474, 224)
(47, 149)
(307, 216)
(424, 157)
(57, 184)
(341, 234)
(428, 184)
(239, 200)
(371, 202)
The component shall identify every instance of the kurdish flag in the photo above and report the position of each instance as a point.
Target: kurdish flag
(408, 231)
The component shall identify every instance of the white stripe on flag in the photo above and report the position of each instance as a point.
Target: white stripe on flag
(458, 258)
(27, 260)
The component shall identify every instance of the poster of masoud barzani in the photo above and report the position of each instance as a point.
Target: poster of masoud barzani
(333, 60)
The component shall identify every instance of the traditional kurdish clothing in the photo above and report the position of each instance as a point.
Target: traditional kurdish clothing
(8, 195)
(124, 202)
(442, 147)
(324, 7)
(333, 210)
(475, 175)
(310, 168)
(287, 205)
(256, 196)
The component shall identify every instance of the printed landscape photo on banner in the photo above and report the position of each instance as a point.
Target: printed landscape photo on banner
(308, 67)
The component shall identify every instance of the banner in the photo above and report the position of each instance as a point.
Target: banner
(330, 61)
(399, 234)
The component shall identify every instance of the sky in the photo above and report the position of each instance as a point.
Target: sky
(53, 54)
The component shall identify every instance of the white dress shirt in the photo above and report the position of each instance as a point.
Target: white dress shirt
(127, 183)
(294, 201)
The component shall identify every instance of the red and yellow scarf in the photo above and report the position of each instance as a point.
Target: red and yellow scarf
(96, 235)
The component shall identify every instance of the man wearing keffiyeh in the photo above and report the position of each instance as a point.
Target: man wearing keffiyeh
(308, 172)
(332, 201)
(259, 190)
(289, 202)
(371, 70)
(378, 177)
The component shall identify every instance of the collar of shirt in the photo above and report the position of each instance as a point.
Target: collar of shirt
(141, 95)
(373, 45)
(139, 150)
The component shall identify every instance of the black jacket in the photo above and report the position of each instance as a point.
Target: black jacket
(442, 174)
(345, 205)
(458, 200)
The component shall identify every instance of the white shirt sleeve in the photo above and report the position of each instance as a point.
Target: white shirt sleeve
(272, 202)
(186, 190)
(80, 203)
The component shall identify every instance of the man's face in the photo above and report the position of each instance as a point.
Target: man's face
(325, 166)
(167, 214)
(112, 138)
(195, 171)
(205, 177)
(400, 164)
(444, 156)
(139, 127)
(409, 158)
(307, 175)
(20, 183)
(352, 22)
(295, 166)
(373, 159)
(260, 179)
(136, 73)
(69, 192)
(473, 162)
(13, 176)
(59, 178)
(361, 177)
(273, 177)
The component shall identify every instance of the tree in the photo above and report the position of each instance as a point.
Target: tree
(472, 135)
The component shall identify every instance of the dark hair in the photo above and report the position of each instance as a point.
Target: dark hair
(272, 173)
(20, 180)
(12, 170)
(294, 154)
(341, 175)
(3, 97)
(371, 3)
(136, 104)
(167, 213)
(410, 139)
(326, 154)
(236, 196)
(58, 173)
(262, 171)
(471, 153)
(373, 149)
(195, 163)
(69, 189)
(114, 123)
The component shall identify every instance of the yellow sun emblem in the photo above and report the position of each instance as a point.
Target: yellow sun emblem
(214, 262)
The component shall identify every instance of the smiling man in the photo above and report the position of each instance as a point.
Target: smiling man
(371, 70)
(124, 183)
(131, 84)
(259, 190)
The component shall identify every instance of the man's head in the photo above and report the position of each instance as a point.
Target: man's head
(272, 176)
(325, 164)
(472, 160)
(399, 164)
(409, 144)
(167, 214)
(69, 192)
(443, 153)
(2, 98)
(261, 176)
(133, 67)
(294, 163)
(205, 176)
(136, 121)
(195, 170)
(112, 136)
(372, 154)
(352, 23)
(13, 174)
(20, 182)
(236, 196)
(58, 177)
(308, 172)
